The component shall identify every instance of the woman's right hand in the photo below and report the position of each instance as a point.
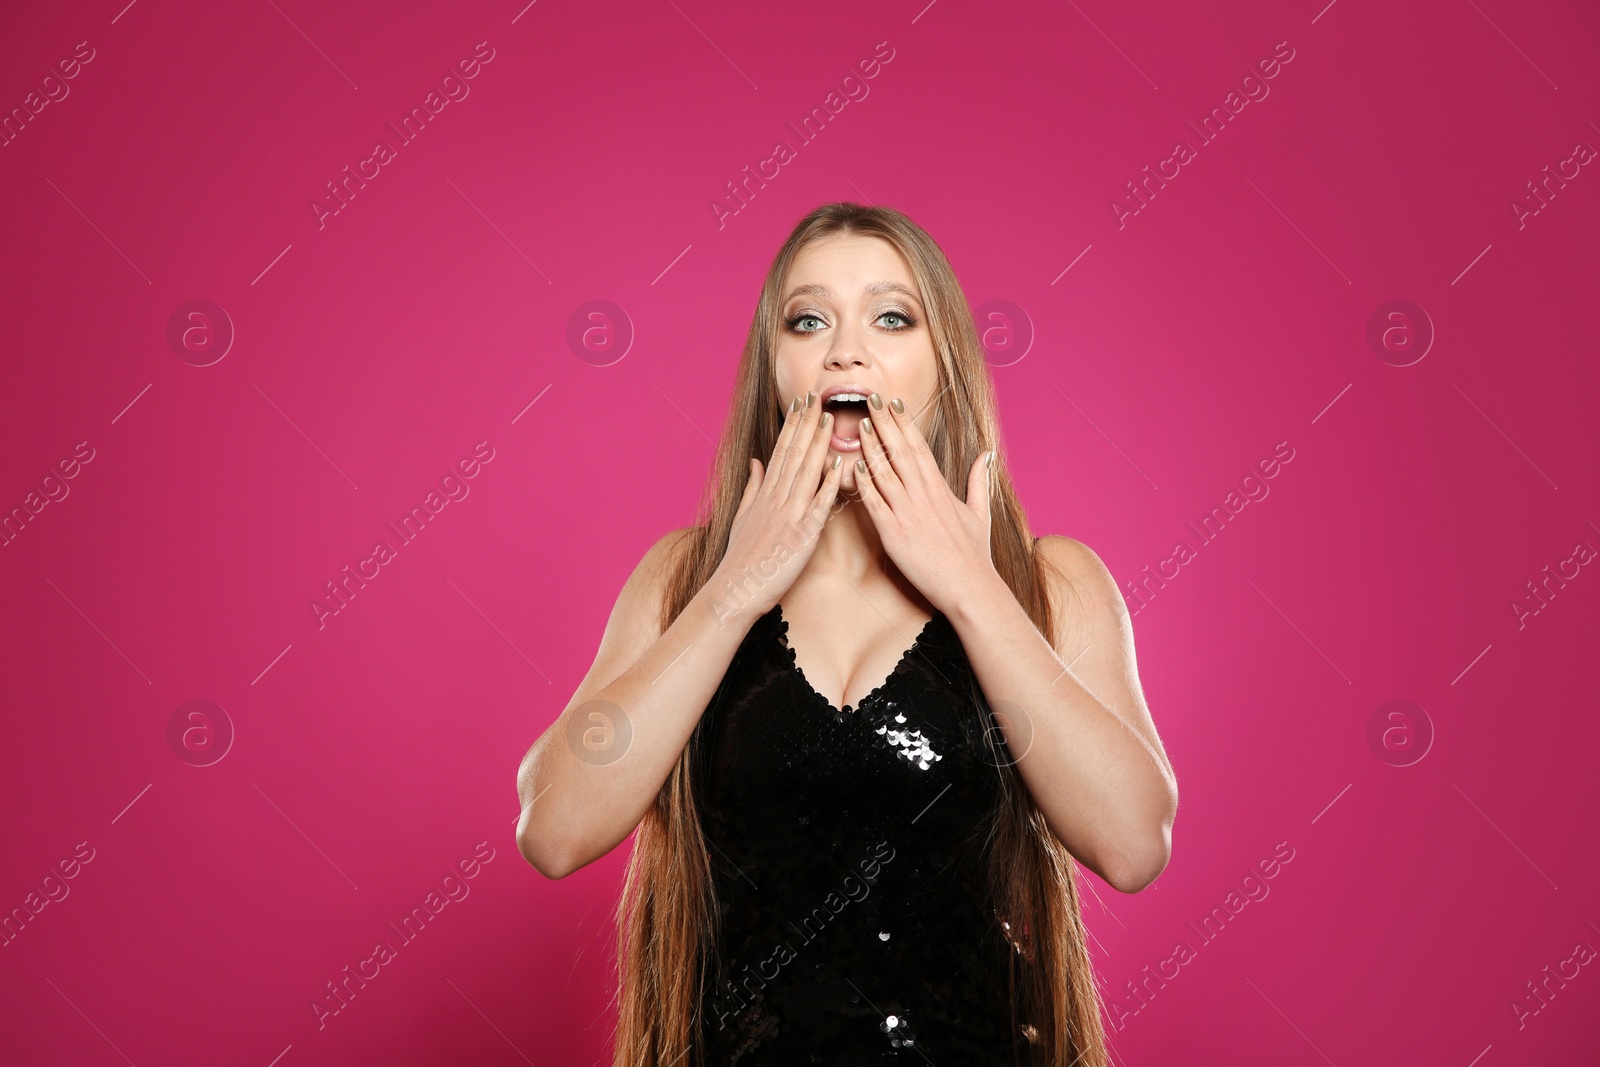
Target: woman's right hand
(781, 513)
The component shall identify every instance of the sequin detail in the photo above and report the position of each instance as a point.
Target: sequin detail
(898, 1027)
(848, 864)
(909, 743)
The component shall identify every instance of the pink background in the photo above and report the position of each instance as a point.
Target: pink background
(372, 755)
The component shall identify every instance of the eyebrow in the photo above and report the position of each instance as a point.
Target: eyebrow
(871, 290)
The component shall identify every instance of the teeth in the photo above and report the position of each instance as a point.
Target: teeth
(848, 397)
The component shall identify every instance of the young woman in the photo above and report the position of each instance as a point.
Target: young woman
(862, 720)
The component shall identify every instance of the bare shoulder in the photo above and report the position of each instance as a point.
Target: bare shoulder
(635, 620)
(662, 552)
(1079, 564)
(1083, 594)
(647, 585)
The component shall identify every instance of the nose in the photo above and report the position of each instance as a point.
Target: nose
(848, 349)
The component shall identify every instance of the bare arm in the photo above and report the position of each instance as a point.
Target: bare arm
(1073, 713)
(1089, 751)
(595, 771)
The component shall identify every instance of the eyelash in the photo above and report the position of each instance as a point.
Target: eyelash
(793, 323)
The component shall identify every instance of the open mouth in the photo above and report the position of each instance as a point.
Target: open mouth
(848, 409)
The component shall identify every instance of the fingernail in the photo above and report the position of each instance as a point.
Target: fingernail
(827, 417)
(876, 401)
(866, 426)
(898, 405)
(811, 398)
(861, 466)
(794, 405)
(836, 460)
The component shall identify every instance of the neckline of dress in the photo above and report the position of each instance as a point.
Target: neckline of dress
(877, 691)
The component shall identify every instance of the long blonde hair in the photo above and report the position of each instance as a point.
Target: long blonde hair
(665, 912)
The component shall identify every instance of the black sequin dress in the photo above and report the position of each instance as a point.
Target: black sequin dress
(847, 847)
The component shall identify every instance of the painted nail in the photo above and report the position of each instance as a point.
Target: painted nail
(866, 427)
(836, 460)
(898, 405)
(876, 401)
(811, 398)
(794, 405)
(827, 417)
(861, 466)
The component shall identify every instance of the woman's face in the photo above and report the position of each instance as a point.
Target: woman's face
(852, 316)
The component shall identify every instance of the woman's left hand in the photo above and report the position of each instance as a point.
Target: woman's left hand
(939, 542)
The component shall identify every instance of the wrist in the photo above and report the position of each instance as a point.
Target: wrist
(977, 594)
(729, 603)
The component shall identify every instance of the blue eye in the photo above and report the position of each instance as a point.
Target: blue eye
(907, 322)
